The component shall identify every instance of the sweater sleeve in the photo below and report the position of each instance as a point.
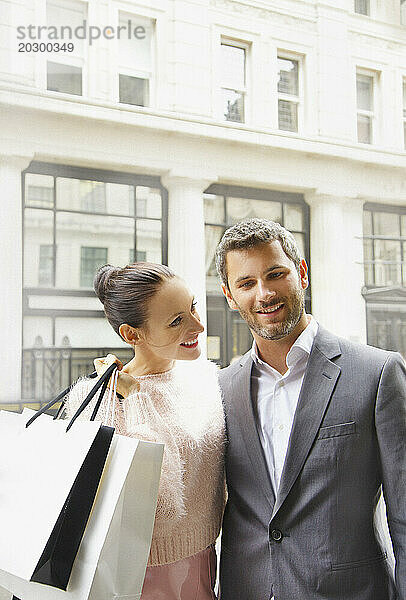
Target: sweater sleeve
(76, 396)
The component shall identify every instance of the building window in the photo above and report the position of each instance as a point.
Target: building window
(404, 112)
(90, 260)
(385, 276)
(39, 191)
(74, 220)
(135, 66)
(361, 7)
(288, 93)
(403, 12)
(46, 265)
(137, 256)
(234, 81)
(228, 334)
(68, 215)
(385, 247)
(92, 196)
(365, 107)
(65, 71)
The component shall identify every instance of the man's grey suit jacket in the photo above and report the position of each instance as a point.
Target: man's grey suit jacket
(316, 540)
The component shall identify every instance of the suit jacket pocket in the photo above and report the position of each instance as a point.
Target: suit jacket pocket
(337, 430)
(360, 563)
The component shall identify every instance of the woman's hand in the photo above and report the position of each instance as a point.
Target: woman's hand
(126, 384)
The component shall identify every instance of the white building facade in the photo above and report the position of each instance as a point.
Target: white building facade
(177, 119)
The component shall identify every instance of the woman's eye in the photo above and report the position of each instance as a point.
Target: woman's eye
(193, 306)
(176, 322)
(246, 284)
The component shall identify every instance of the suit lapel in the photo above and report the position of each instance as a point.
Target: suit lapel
(241, 384)
(318, 385)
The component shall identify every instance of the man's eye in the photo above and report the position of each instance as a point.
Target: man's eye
(275, 274)
(176, 322)
(246, 284)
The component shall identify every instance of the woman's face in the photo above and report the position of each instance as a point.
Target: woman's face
(173, 325)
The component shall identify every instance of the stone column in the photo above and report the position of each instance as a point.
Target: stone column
(11, 260)
(336, 255)
(186, 240)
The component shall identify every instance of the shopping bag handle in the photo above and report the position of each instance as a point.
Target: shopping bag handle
(104, 379)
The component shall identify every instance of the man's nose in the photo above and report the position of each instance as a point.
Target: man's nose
(265, 291)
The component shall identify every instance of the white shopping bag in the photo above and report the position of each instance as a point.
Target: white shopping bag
(113, 553)
(38, 468)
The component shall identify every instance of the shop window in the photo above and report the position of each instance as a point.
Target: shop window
(385, 247)
(228, 335)
(74, 220)
(46, 265)
(90, 260)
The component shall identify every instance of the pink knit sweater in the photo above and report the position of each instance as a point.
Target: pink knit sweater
(181, 408)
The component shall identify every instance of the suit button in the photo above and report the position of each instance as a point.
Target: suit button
(276, 535)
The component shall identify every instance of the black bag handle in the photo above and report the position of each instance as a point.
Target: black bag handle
(103, 381)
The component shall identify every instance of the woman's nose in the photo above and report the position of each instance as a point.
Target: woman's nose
(196, 325)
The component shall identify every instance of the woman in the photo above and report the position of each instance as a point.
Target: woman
(178, 404)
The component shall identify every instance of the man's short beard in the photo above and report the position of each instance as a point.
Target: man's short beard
(276, 331)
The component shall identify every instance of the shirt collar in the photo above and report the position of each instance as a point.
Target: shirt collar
(302, 346)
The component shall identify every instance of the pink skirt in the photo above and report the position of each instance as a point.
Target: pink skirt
(191, 578)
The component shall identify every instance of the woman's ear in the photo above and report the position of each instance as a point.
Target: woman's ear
(129, 334)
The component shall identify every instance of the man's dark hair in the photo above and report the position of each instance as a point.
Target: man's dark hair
(251, 233)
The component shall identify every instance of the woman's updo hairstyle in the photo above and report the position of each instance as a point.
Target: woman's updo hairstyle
(125, 293)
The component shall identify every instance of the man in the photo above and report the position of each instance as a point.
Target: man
(316, 426)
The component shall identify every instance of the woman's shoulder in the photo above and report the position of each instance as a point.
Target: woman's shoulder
(200, 369)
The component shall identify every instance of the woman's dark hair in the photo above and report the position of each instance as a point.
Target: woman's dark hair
(125, 293)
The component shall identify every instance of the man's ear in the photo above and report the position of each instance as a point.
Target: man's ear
(229, 298)
(303, 274)
(129, 334)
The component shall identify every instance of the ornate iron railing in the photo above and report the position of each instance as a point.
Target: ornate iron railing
(47, 371)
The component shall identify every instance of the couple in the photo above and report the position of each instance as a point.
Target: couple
(314, 426)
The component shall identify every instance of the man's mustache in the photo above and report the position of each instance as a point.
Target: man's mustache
(265, 305)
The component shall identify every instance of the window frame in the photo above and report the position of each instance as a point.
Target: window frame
(68, 59)
(404, 107)
(402, 12)
(299, 99)
(371, 114)
(65, 171)
(133, 72)
(244, 91)
(391, 209)
(365, 14)
(86, 260)
(216, 301)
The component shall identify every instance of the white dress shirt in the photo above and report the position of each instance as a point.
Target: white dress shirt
(275, 398)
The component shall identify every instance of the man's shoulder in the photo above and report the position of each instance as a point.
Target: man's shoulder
(227, 373)
(354, 350)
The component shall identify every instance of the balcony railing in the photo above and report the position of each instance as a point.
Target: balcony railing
(47, 371)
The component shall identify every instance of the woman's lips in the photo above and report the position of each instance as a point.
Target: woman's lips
(190, 344)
